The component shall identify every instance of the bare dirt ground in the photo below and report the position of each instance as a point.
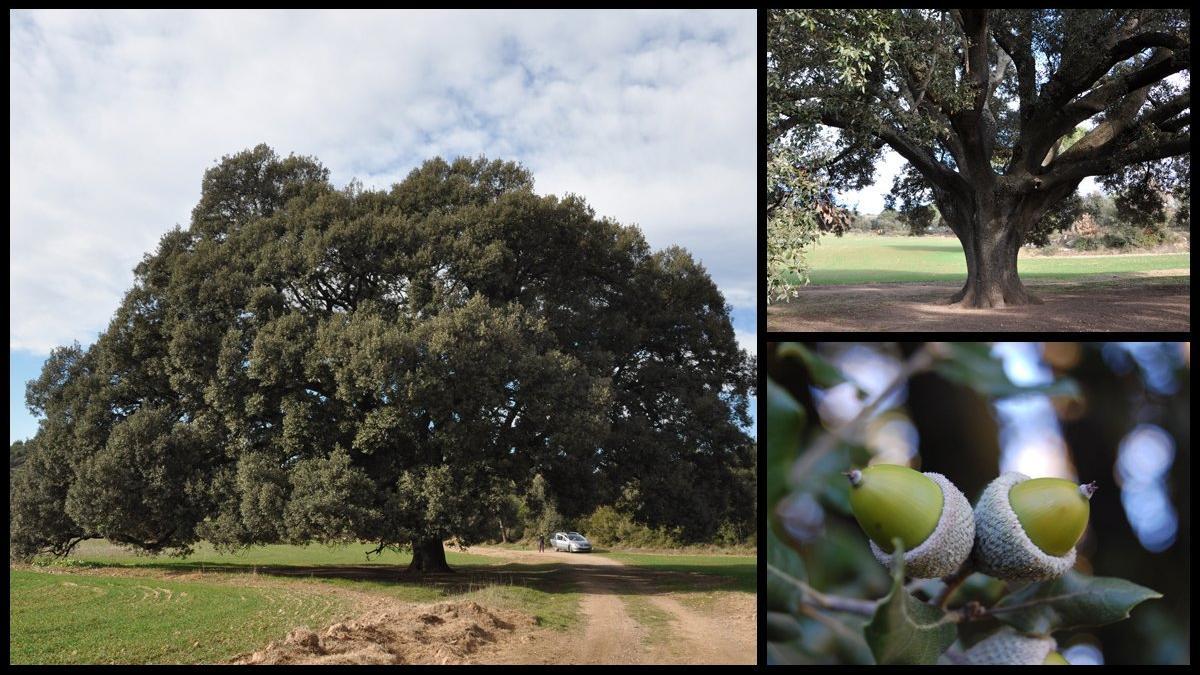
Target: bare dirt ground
(1119, 304)
(443, 633)
(611, 636)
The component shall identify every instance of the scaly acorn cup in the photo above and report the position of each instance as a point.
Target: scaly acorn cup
(924, 510)
(1026, 529)
(1007, 647)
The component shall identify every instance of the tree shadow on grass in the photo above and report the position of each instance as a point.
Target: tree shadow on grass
(547, 577)
(925, 247)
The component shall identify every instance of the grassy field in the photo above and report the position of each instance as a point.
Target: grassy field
(126, 608)
(68, 618)
(861, 259)
(105, 604)
(742, 571)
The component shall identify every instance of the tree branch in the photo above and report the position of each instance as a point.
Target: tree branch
(1003, 61)
(974, 27)
(952, 583)
(816, 598)
(1160, 67)
(1100, 166)
(1176, 124)
(1068, 83)
(1161, 113)
(919, 361)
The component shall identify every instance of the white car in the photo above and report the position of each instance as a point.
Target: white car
(572, 542)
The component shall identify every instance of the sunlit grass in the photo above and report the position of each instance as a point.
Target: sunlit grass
(859, 259)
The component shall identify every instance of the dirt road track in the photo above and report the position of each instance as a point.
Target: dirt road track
(1121, 305)
(611, 636)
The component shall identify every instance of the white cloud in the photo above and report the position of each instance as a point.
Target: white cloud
(115, 115)
(748, 340)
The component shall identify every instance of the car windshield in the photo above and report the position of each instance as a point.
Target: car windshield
(575, 537)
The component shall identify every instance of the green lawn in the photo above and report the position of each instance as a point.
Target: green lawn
(740, 570)
(242, 601)
(860, 258)
(68, 618)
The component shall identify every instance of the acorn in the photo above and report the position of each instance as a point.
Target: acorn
(1055, 659)
(1026, 529)
(1007, 647)
(929, 515)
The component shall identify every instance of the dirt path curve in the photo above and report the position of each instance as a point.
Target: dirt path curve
(611, 636)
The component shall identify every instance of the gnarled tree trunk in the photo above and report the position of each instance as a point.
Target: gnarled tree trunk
(991, 229)
(992, 279)
(428, 556)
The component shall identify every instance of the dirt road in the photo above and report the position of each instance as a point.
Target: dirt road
(1119, 304)
(610, 635)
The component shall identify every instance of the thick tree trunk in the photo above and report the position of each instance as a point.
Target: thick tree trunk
(428, 556)
(991, 241)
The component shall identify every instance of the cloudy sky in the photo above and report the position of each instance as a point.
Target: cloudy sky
(115, 115)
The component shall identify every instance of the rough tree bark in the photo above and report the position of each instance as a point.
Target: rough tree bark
(991, 232)
(428, 556)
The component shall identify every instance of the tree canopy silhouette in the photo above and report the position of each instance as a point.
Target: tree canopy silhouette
(305, 363)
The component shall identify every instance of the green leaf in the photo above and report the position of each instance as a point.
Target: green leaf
(785, 421)
(782, 594)
(782, 556)
(905, 630)
(1072, 601)
(823, 373)
(973, 364)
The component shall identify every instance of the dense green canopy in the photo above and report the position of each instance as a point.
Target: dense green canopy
(305, 363)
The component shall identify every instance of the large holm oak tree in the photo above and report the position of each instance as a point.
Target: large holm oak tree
(305, 363)
(987, 106)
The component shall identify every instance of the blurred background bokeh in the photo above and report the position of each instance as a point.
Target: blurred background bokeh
(1128, 431)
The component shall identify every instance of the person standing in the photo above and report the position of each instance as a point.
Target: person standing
(541, 543)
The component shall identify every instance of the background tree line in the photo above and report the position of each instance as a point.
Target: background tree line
(1093, 221)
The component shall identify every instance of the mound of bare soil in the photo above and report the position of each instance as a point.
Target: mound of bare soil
(448, 632)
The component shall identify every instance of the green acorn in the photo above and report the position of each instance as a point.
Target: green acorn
(1007, 647)
(1026, 529)
(924, 510)
(1055, 659)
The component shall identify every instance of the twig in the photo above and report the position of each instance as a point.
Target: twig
(972, 611)
(833, 624)
(917, 362)
(956, 657)
(816, 598)
(952, 582)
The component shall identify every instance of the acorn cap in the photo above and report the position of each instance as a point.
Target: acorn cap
(948, 546)
(1007, 647)
(1002, 549)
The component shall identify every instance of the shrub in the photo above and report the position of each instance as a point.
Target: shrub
(607, 526)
